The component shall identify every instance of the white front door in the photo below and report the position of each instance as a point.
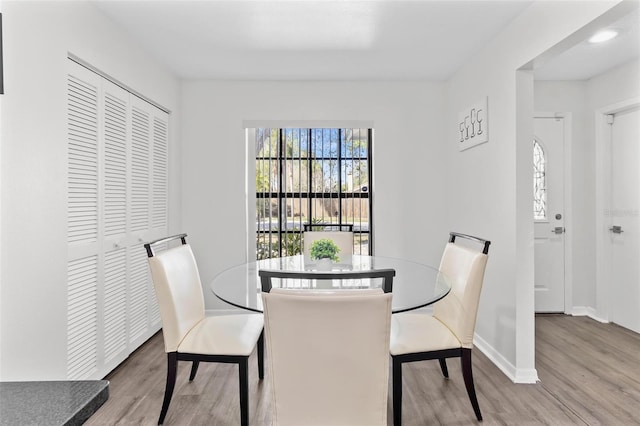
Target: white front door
(624, 230)
(549, 214)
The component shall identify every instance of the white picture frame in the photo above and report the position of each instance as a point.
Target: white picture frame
(473, 125)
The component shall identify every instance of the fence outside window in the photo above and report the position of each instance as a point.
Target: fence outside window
(311, 176)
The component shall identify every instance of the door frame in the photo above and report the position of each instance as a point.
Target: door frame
(603, 204)
(567, 121)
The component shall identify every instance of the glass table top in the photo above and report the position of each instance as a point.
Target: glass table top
(415, 285)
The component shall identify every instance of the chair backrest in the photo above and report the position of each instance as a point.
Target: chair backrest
(179, 293)
(343, 239)
(354, 278)
(465, 268)
(329, 356)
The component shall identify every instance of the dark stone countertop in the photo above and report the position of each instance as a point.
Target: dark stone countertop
(50, 403)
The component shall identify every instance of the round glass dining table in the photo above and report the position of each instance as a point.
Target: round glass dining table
(415, 285)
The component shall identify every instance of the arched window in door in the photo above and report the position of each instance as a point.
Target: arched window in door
(539, 182)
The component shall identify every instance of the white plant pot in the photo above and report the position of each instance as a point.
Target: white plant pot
(325, 264)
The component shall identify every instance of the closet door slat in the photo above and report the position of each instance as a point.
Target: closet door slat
(82, 185)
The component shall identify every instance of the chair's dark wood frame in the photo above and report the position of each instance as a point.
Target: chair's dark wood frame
(463, 353)
(485, 243)
(174, 357)
(386, 274)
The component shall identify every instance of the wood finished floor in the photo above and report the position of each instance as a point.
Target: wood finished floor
(589, 375)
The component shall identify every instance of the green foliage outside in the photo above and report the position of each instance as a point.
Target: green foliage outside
(325, 248)
(291, 245)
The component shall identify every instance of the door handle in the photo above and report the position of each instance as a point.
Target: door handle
(558, 230)
(616, 229)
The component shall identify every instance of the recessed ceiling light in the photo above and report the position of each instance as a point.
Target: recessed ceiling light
(604, 35)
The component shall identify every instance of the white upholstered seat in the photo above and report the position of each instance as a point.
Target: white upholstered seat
(328, 356)
(223, 335)
(449, 332)
(419, 333)
(191, 336)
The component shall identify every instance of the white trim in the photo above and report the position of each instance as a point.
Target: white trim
(587, 311)
(603, 203)
(568, 210)
(308, 124)
(524, 326)
(106, 76)
(250, 192)
(514, 374)
(567, 140)
(526, 376)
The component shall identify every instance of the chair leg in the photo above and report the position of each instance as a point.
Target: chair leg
(243, 369)
(397, 391)
(194, 370)
(443, 367)
(172, 370)
(467, 374)
(261, 356)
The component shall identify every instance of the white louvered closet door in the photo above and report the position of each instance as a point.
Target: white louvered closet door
(149, 211)
(83, 95)
(116, 131)
(140, 211)
(117, 183)
(159, 193)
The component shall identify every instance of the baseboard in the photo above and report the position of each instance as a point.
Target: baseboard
(526, 376)
(587, 311)
(516, 375)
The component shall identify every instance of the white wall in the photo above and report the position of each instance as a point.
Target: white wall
(617, 85)
(409, 166)
(37, 38)
(490, 189)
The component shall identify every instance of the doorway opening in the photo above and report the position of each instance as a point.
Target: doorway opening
(551, 217)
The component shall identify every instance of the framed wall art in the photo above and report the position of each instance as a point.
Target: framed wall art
(473, 125)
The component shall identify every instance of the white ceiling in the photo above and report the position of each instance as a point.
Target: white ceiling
(320, 39)
(586, 60)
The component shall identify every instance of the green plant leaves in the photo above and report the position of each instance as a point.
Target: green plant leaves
(324, 248)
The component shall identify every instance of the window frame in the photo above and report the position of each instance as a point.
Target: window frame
(536, 171)
(283, 195)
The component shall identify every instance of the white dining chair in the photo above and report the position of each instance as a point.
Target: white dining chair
(328, 356)
(188, 334)
(449, 331)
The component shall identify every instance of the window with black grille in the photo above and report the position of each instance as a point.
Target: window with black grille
(320, 178)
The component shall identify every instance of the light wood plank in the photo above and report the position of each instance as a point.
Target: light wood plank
(589, 375)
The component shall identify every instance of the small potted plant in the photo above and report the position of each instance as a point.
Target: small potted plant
(324, 249)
